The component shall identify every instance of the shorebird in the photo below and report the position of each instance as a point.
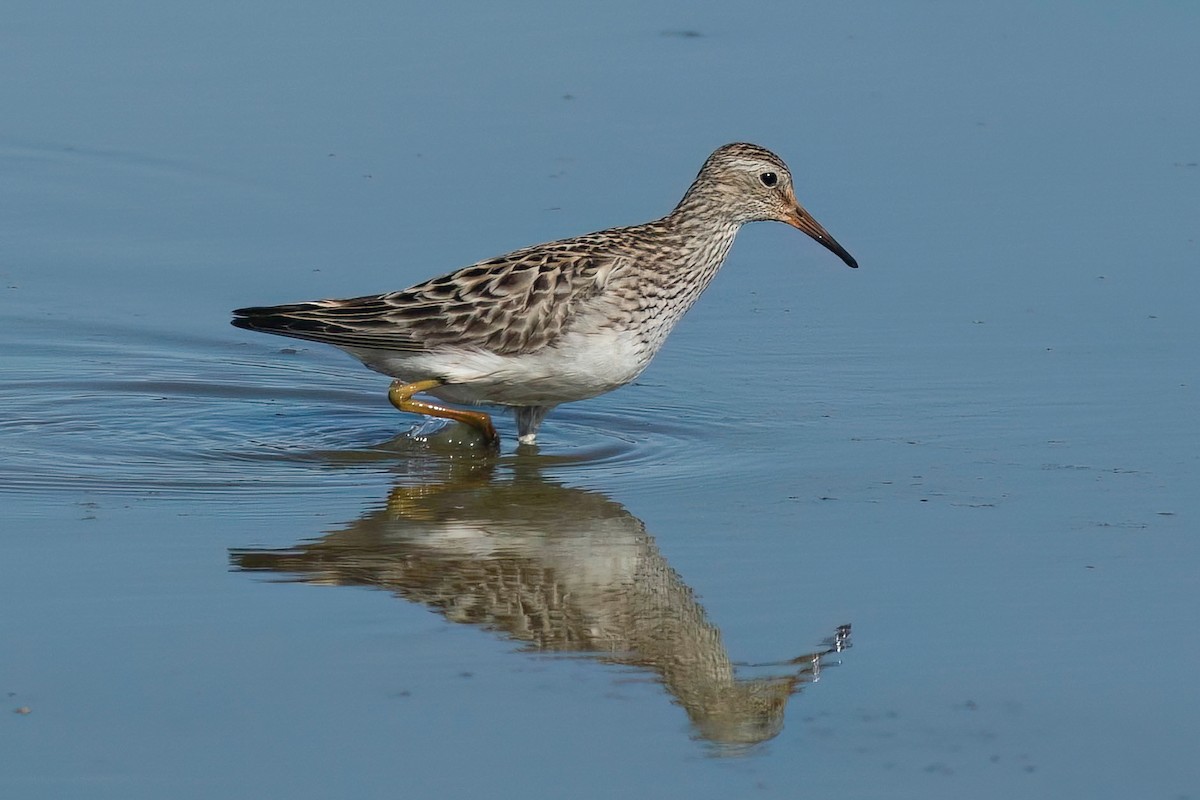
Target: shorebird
(555, 322)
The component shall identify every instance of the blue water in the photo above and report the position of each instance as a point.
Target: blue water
(229, 568)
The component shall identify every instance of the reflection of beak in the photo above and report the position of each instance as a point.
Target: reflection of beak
(801, 219)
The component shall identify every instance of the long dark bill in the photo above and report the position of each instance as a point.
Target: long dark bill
(803, 220)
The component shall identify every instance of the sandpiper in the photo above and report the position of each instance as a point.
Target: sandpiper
(554, 322)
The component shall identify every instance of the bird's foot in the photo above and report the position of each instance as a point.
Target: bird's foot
(401, 396)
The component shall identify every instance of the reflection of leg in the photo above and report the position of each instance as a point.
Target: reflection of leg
(529, 419)
(401, 395)
(421, 501)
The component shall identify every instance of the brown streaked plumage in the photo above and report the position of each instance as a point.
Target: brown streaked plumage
(554, 322)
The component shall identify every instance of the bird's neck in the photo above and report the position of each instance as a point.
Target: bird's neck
(703, 237)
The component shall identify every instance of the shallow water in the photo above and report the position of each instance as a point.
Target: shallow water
(924, 529)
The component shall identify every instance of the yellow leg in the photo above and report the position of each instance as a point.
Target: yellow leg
(401, 395)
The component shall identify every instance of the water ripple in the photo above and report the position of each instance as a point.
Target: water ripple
(135, 412)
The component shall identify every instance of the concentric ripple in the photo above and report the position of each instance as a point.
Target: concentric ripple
(137, 412)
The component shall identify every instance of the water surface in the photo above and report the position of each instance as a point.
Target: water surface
(926, 529)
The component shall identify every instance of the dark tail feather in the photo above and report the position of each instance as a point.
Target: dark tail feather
(340, 324)
(284, 321)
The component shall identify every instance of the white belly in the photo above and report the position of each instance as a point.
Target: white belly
(579, 366)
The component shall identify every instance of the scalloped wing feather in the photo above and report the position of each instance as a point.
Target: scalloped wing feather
(517, 303)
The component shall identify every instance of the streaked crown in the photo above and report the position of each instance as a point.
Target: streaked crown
(742, 182)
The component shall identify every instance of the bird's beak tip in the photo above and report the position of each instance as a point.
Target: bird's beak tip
(800, 219)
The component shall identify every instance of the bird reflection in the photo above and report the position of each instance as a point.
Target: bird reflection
(563, 570)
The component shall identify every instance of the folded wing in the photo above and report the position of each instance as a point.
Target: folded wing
(516, 303)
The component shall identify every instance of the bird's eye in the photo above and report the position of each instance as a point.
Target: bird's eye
(769, 179)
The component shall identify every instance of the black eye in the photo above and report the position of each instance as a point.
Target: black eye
(769, 179)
